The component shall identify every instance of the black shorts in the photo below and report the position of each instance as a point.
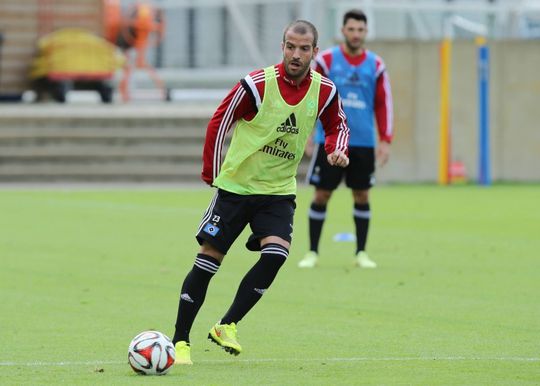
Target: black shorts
(359, 175)
(229, 213)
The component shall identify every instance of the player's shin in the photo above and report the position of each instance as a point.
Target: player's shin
(362, 216)
(193, 294)
(256, 282)
(317, 215)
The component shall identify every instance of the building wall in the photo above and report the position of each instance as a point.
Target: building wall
(413, 67)
(514, 116)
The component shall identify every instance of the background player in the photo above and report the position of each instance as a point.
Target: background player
(363, 84)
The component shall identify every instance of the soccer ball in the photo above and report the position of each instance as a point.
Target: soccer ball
(151, 353)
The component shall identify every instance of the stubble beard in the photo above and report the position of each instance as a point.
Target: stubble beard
(298, 75)
(355, 48)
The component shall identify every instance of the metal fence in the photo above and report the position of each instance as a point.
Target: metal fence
(208, 34)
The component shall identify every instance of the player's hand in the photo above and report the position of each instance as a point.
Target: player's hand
(338, 158)
(208, 180)
(383, 153)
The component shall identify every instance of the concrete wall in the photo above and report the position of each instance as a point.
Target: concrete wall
(514, 100)
(413, 67)
(414, 73)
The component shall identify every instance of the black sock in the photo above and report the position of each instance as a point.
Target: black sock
(317, 214)
(193, 294)
(362, 215)
(256, 282)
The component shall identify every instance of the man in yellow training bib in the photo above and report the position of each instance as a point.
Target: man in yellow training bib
(275, 110)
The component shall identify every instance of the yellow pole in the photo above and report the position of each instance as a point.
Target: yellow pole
(444, 125)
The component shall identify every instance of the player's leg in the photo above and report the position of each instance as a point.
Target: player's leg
(274, 252)
(272, 229)
(316, 216)
(362, 217)
(222, 223)
(360, 179)
(252, 287)
(192, 297)
(325, 178)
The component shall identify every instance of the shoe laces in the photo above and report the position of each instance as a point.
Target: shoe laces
(231, 329)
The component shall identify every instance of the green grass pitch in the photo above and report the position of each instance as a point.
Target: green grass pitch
(455, 299)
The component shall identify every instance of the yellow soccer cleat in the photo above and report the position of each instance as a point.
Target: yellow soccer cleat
(183, 353)
(363, 261)
(309, 261)
(225, 336)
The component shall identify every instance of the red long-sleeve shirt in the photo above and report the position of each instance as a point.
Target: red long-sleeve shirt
(243, 101)
(383, 104)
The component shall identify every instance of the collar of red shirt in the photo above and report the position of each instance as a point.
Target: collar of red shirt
(354, 60)
(290, 82)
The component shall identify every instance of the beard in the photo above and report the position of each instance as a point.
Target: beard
(354, 46)
(298, 71)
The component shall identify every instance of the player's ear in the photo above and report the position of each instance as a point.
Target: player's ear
(315, 51)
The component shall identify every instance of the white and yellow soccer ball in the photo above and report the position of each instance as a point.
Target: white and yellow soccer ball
(151, 353)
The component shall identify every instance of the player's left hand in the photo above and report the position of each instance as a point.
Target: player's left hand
(338, 158)
(383, 153)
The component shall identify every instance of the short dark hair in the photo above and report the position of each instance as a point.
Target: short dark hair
(355, 14)
(302, 27)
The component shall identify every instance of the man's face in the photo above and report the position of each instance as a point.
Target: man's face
(354, 32)
(298, 51)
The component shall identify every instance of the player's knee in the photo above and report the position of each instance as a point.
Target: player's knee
(322, 196)
(361, 196)
(210, 250)
(275, 240)
(274, 254)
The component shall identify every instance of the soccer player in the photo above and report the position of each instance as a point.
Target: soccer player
(361, 78)
(275, 110)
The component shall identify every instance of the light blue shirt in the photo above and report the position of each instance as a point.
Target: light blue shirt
(356, 86)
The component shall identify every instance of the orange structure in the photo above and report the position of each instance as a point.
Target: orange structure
(135, 31)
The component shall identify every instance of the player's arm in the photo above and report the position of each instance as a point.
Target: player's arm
(335, 126)
(322, 63)
(237, 104)
(383, 108)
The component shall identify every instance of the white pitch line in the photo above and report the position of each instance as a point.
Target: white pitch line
(44, 364)
(273, 360)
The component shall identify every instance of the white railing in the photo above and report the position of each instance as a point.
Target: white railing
(238, 34)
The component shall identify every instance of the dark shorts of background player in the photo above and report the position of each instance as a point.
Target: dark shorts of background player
(229, 213)
(359, 175)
